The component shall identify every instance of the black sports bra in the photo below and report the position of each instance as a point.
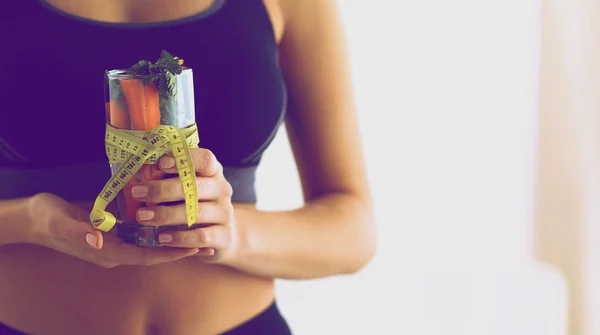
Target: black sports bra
(52, 89)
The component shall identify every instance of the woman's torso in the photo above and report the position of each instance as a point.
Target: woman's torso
(52, 88)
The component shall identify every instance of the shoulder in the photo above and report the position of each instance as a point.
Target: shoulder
(296, 16)
(308, 18)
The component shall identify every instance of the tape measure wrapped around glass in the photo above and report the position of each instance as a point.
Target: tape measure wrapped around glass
(134, 148)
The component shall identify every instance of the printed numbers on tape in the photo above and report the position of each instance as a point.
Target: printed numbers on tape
(135, 148)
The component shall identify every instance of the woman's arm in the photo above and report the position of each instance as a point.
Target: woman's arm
(334, 232)
(48, 220)
(15, 222)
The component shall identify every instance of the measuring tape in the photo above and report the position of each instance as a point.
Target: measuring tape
(134, 148)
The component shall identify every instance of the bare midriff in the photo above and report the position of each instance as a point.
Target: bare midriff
(47, 292)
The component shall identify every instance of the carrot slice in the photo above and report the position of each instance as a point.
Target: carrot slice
(142, 104)
(144, 110)
(107, 110)
(117, 117)
(128, 206)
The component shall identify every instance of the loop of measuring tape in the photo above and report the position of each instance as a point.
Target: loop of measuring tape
(134, 148)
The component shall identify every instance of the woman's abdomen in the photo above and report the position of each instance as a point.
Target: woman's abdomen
(44, 291)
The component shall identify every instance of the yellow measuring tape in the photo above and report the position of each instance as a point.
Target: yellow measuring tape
(133, 148)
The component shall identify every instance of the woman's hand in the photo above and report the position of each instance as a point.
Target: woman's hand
(64, 227)
(218, 237)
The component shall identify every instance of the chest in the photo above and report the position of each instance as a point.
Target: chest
(118, 11)
(54, 94)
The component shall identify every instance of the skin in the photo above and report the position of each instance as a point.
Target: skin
(216, 277)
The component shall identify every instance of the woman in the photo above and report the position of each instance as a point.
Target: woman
(59, 275)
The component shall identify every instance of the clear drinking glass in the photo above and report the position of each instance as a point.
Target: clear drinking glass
(133, 105)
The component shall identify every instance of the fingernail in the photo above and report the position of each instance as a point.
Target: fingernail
(145, 214)
(208, 252)
(139, 191)
(166, 162)
(164, 238)
(91, 240)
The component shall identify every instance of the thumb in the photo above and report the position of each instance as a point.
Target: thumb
(94, 239)
(78, 232)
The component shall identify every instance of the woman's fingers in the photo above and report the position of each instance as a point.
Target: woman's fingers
(208, 212)
(117, 252)
(80, 233)
(171, 189)
(214, 237)
(205, 163)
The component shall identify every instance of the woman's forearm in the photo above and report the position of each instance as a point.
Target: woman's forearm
(14, 221)
(331, 235)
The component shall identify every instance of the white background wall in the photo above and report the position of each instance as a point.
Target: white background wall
(446, 92)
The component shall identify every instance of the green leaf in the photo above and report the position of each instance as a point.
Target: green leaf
(162, 73)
